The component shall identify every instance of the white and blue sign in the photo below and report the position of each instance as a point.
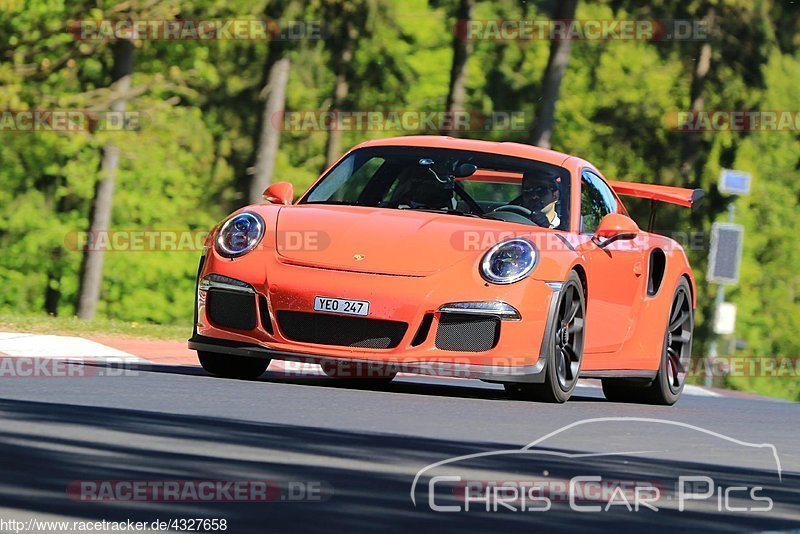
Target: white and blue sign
(734, 182)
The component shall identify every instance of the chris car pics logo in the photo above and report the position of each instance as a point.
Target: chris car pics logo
(543, 475)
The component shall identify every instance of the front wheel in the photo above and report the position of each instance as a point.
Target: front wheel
(667, 386)
(564, 349)
(229, 366)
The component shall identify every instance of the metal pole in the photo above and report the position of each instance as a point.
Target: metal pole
(712, 348)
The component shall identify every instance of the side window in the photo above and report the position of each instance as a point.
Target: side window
(597, 201)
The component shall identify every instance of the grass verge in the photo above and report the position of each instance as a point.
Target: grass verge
(99, 327)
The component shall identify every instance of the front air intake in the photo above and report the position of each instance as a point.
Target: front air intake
(467, 333)
(231, 309)
(341, 330)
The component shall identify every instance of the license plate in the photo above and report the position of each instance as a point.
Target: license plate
(346, 306)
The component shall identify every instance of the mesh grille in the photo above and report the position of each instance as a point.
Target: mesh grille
(467, 333)
(231, 310)
(341, 330)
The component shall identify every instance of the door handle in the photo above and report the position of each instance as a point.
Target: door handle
(637, 268)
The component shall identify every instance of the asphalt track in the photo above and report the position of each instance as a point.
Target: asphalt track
(363, 446)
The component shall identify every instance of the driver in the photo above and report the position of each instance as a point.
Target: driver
(540, 194)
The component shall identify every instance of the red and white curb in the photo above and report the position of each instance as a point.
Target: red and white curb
(688, 389)
(131, 350)
(36, 346)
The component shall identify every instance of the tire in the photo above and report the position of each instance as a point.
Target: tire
(565, 341)
(666, 388)
(229, 366)
(356, 374)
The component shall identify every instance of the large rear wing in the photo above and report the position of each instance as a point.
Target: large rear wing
(688, 198)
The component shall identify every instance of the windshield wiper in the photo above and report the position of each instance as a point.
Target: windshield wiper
(448, 211)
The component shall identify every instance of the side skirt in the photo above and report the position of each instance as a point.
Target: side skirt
(619, 373)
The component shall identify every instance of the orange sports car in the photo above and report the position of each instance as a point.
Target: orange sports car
(433, 255)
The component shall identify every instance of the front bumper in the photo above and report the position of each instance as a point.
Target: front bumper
(523, 313)
(490, 373)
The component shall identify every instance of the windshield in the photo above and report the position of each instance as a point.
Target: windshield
(456, 182)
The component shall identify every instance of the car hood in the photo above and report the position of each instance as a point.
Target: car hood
(380, 240)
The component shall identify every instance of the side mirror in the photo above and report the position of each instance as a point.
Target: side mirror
(614, 227)
(279, 193)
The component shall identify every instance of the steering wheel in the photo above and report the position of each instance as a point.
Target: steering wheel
(511, 213)
(513, 208)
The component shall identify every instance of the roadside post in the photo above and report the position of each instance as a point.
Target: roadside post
(724, 262)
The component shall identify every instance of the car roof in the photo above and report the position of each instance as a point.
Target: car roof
(494, 147)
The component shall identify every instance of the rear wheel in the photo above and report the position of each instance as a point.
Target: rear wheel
(229, 366)
(676, 352)
(564, 349)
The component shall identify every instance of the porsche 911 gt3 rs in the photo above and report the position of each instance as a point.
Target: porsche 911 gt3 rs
(497, 261)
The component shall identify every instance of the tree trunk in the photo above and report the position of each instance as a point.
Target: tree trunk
(462, 48)
(100, 221)
(690, 152)
(340, 91)
(542, 130)
(52, 293)
(269, 140)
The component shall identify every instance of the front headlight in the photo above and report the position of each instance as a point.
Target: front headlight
(240, 234)
(509, 261)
